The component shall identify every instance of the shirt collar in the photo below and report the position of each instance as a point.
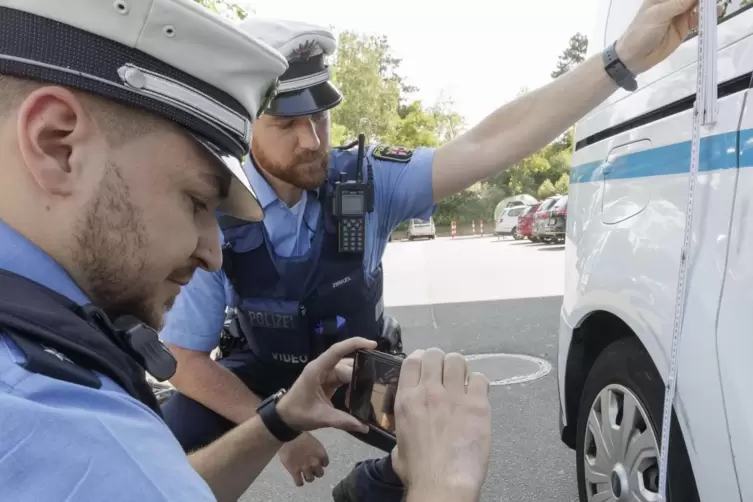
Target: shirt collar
(22, 257)
(264, 192)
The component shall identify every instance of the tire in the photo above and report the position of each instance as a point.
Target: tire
(533, 239)
(515, 234)
(625, 369)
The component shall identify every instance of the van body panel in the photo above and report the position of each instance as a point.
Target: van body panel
(625, 227)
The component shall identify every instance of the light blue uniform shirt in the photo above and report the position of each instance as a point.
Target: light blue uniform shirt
(65, 442)
(402, 190)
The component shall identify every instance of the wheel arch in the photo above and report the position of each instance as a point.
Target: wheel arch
(594, 333)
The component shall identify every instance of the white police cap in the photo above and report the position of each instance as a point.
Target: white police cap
(173, 58)
(306, 86)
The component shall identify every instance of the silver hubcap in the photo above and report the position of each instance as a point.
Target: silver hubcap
(621, 451)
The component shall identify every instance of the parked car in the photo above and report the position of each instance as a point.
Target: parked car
(421, 229)
(553, 228)
(541, 217)
(507, 223)
(525, 221)
(515, 200)
(627, 212)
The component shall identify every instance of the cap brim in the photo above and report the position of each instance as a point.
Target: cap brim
(307, 101)
(241, 201)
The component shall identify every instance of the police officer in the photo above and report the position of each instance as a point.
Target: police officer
(297, 288)
(122, 126)
(295, 278)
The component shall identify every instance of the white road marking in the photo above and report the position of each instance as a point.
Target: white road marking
(544, 367)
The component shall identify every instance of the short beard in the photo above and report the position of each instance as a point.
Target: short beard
(110, 256)
(305, 171)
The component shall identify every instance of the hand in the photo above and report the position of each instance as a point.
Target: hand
(656, 31)
(443, 426)
(304, 458)
(307, 405)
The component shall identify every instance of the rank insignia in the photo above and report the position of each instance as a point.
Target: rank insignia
(393, 153)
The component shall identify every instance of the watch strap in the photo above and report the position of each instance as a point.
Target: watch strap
(267, 411)
(617, 70)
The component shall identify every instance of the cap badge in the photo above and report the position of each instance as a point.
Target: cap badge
(305, 51)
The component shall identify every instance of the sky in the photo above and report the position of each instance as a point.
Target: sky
(480, 53)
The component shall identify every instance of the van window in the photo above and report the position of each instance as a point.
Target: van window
(516, 211)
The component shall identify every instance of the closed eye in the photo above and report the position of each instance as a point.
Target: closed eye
(198, 205)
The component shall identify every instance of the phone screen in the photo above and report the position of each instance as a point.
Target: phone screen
(373, 389)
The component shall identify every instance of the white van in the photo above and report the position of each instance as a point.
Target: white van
(421, 229)
(626, 215)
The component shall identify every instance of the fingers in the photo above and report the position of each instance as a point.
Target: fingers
(297, 479)
(667, 10)
(455, 369)
(344, 372)
(432, 363)
(317, 470)
(329, 359)
(410, 371)
(344, 421)
(308, 475)
(478, 384)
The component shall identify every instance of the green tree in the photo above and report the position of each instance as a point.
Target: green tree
(366, 73)
(546, 189)
(572, 56)
(447, 123)
(415, 127)
(228, 9)
(563, 184)
(338, 135)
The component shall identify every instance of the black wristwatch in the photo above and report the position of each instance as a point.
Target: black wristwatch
(617, 70)
(267, 411)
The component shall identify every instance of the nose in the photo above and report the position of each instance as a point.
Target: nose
(308, 139)
(209, 248)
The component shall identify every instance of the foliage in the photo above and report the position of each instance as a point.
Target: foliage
(376, 98)
(228, 9)
(563, 184)
(546, 190)
(572, 56)
(366, 73)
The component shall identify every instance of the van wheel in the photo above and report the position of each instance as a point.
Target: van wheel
(619, 429)
(515, 234)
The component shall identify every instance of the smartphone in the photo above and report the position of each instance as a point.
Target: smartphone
(373, 389)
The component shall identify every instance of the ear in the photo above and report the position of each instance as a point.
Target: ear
(52, 128)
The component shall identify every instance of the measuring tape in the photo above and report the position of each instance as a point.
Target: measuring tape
(704, 114)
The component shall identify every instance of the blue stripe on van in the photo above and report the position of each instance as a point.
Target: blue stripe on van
(717, 152)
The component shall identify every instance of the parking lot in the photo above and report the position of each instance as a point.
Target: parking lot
(477, 295)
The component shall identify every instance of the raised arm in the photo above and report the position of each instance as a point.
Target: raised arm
(529, 123)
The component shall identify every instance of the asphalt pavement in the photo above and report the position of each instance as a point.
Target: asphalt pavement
(475, 296)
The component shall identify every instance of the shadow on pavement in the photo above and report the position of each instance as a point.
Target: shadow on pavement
(559, 247)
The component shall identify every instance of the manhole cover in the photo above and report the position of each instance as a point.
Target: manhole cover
(507, 369)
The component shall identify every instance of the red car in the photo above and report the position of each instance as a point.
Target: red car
(525, 221)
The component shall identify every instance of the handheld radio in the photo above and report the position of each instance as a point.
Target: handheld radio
(352, 200)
